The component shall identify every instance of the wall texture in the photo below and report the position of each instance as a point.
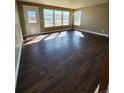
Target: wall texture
(18, 41)
(95, 18)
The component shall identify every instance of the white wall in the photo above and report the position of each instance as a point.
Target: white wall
(18, 41)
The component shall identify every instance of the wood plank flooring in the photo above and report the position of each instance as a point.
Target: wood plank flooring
(71, 62)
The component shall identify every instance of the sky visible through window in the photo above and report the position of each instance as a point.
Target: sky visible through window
(31, 14)
(48, 12)
(32, 17)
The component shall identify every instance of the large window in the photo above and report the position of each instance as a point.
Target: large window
(65, 18)
(55, 18)
(77, 18)
(32, 17)
(48, 18)
(58, 18)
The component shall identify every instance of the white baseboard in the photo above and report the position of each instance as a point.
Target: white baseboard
(18, 63)
(92, 32)
(97, 89)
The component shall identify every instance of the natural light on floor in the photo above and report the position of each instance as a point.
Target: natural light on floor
(79, 34)
(62, 34)
(51, 36)
(37, 39)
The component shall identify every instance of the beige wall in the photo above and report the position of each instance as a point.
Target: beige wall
(18, 41)
(95, 18)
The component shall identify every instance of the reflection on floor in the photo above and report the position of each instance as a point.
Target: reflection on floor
(36, 39)
(79, 34)
(51, 36)
(62, 34)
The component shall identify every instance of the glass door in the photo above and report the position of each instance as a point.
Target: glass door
(32, 21)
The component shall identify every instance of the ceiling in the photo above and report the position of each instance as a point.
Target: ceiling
(73, 4)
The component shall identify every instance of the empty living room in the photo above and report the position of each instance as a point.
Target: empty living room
(62, 46)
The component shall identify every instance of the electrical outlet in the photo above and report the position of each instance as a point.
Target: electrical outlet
(103, 31)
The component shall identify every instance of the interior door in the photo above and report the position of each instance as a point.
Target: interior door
(32, 21)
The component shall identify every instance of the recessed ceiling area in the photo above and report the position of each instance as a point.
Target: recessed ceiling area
(73, 4)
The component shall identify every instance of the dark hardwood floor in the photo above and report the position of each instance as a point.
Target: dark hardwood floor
(68, 63)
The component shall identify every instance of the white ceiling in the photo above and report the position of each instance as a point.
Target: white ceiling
(69, 3)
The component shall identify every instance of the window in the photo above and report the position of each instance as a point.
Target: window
(58, 18)
(65, 18)
(48, 18)
(77, 18)
(32, 17)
